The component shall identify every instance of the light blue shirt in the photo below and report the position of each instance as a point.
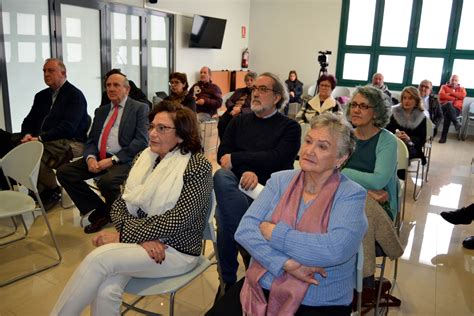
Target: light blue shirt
(113, 145)
(335, 251)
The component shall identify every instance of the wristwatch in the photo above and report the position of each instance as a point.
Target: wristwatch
(115, 160)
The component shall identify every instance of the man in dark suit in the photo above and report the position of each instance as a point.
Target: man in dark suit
(58, 118)
(118, 133)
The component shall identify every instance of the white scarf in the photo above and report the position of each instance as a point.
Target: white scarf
(315, 103)
(155, 191)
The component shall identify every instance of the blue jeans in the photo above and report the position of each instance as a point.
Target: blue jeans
(231, 206)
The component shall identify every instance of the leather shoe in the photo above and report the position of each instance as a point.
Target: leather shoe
(462, 216)
(468, 243)
(442, 140)
(96, 225)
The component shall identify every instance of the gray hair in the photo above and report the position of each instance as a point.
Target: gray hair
(338, 125)
(251, 74)
(377, 99)
(278, 88)
(58, 61)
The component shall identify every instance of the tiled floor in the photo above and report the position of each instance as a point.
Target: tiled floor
(436, 275)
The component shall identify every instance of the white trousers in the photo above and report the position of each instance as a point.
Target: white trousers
(102, 276)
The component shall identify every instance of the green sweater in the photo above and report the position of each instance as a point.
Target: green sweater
(384, 176)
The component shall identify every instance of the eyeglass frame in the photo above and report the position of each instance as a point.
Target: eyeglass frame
(261, 89)
(160, 128)
(360, 106)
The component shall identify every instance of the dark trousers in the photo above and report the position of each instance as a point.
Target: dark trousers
(450, 114)
(231, 206)
(72, 176)
(229, 305)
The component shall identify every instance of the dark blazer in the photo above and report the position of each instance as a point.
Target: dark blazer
(133, 136)
(66, 119)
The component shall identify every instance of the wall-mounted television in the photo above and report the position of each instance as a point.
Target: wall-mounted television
(207, 32)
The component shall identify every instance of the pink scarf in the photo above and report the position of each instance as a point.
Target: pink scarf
(287, 292)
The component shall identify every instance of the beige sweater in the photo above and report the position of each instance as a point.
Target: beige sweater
(380, 229)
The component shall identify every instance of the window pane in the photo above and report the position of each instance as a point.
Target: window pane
(434, 23)
(392, 68)
(396, 23)
(356, 67)
(81, 48)
(25, 48)
(361, 22)
(463, 68)
(124, 42)
(158, 52)
(465, 38)
(430, 68)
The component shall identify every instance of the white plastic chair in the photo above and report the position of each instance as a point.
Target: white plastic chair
(341, 92)
(312, 90)
(156, 286)
(468, 119)
(428, 145)
(359, 274)
(22, 165)
(402, 164)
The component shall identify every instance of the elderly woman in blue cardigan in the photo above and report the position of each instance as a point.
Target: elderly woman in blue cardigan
(304, 230)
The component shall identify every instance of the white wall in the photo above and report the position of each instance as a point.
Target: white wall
(286, 35)
(190, 60)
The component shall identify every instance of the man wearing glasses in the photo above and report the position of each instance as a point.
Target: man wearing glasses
(431, 103)
(254, 146)
(118, 134)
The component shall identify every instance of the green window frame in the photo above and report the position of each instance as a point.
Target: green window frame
(410, 52)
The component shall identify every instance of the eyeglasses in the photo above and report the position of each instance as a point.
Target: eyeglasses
(425, 86)
(362, 106)
(174, 82)
(261, 89)
(160, 128)
(325, 86)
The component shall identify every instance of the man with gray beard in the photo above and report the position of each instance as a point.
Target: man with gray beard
(254, 146)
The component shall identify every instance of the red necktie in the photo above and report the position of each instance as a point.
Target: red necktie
(106, 132)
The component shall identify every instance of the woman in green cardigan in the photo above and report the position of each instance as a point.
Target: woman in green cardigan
(374, 162)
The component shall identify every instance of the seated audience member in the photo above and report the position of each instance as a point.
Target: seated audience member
(118, 133)
(431, 104)
(238, 103)
(451, 98)
(304, 231)
(58, 118)
(179, 91)
(160, 218)
(462, 216)
(135, 92)
(379, 83)
(208, 96)
(374, 161)
(408, 122)
(254, 146)
(322, 102)
(295, 89)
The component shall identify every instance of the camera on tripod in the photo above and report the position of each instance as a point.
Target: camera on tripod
(323, 59)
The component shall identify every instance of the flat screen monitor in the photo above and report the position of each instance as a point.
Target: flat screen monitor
(207, 32)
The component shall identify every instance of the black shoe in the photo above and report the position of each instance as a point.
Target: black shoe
(468, 243)
(442, 140)
(461, 216)
(96, 226)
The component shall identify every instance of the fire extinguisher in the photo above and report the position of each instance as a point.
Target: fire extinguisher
(245, 58)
